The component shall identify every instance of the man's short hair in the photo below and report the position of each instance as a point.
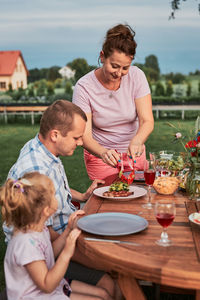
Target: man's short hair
(60, 116)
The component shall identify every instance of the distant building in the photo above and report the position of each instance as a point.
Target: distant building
(67, 72)
(13, 70)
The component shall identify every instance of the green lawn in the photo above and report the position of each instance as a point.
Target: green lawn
(14, 136)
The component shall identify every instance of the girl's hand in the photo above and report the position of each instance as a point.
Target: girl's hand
(71, 242)
(73, 218)
(93, 186)
(110, 157)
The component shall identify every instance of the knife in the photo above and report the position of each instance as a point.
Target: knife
(111, 241)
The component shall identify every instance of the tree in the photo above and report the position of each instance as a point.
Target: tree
(50, 88)
(81, 67)
(175, 77)
(41, 87)
(175, 5)
(159, 90)
(189, 89)
(169, 88)
(151, 61)
(68, 89)
(53, 73)
(199, 87)
(31, 92)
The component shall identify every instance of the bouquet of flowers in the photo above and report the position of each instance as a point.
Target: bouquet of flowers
(192, 147)
(191, 154)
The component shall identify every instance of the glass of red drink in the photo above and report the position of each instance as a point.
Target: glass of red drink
(149, 177)
(165, 212)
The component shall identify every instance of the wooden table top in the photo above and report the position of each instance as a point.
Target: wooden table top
(177, 265)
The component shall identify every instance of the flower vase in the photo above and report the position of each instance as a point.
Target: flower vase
(193, 182)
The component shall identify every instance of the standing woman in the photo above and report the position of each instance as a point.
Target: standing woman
(116, 99)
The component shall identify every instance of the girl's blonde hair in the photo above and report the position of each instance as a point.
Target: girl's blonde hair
(23, 200)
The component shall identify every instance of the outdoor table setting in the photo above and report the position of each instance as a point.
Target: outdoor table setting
(126, 237)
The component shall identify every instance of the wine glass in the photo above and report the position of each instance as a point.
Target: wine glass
(149, 176)
(165, 212)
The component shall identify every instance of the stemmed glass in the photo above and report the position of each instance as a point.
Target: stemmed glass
(149, 176)
(165, 212)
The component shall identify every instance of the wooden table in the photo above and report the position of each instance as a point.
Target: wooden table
(176, 266)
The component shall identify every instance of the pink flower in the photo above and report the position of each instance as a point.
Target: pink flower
(178, 135)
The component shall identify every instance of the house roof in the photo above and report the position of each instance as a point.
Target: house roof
(8, 61)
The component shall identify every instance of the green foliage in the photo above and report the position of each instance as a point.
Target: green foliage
(58, 83)
(53, 73)
(189, 89)
(42, 86)
(81, 67)
(159, 90)
(68, 89)
(169, 88)
(44, 73)
(162, 100)
(50, 88)
(151, 62)
(10, 89)
(31, 92)
(175, 77)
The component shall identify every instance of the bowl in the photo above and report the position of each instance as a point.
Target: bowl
(166, 185)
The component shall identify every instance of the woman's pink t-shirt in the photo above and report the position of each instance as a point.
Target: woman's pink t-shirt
(114, 115)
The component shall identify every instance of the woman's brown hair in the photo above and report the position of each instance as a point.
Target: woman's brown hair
(23, 200)
(120, 38)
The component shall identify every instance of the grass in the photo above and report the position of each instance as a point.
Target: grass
(14, 136)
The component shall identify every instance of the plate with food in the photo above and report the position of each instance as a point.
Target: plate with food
(120, 190)
(195, 218)
(113, 224)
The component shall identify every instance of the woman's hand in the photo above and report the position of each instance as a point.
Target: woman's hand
(73, 218)
(93, 186)
(135, 149)
(110, 157)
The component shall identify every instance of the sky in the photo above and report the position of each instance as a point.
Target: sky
(55, 32)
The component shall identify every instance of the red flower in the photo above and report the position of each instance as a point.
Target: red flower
(194, 153)
(191, 144)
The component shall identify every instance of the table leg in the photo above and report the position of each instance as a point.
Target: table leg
(130, 288)
(197, 295)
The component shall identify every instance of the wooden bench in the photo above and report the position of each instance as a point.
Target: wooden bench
(22, 110)
(182, 108)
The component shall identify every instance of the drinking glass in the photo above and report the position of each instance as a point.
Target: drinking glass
(149, 176)
(126, 168)
(165, 212)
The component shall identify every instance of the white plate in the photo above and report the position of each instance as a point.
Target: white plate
(193, 216)
(137, 192)
(112, 224)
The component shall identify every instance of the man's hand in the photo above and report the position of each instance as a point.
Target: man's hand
(93, 186)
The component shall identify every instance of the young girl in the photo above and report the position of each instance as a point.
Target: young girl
(30, 269)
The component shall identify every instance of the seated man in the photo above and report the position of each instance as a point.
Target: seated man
(61, 129)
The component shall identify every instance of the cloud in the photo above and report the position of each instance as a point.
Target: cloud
(52, 32)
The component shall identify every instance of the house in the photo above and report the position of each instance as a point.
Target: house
(67, 72)
(13, 70)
